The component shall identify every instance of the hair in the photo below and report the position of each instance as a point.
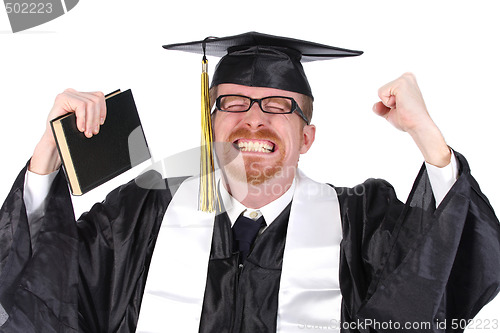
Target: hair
(307, 106)
(212, 94)
(306, 103)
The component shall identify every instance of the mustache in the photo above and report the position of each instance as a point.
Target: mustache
(263, 134)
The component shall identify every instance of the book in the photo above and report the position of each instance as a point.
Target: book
(119, 145)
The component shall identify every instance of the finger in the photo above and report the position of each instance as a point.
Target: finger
(92, 115)
(387, 94)
(92, 123)
(101, 107)
(390, 102)
(89, 108)
(83, 104)
(96, 111)
(388, 98)
(96, 106)
(67, 102)
(75, 103)
(380, 109)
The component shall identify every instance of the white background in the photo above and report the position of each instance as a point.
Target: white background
(451, 46)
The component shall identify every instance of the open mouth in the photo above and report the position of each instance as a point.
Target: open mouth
(256, 146)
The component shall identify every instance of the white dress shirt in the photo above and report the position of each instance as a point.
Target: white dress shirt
(270, 211)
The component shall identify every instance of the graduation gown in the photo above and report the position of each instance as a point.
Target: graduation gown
(399, 262)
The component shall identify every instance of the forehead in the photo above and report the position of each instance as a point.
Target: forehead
(254, 92)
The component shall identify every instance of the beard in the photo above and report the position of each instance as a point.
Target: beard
(253, 169)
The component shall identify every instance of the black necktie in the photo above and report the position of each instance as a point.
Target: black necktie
(245, 231)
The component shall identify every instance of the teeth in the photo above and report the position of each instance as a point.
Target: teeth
(255, 146)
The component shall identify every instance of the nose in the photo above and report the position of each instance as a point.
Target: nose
(254, 118)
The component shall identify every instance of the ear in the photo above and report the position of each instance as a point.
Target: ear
(308, 135)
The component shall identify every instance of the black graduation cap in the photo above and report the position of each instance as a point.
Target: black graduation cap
(260, 60)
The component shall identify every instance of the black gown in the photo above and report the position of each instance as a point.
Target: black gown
(400, 263)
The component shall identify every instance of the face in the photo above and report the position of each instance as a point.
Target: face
(270, 144)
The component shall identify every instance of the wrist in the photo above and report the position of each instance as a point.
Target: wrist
(45, 158)
(432, 145)
(439, 156)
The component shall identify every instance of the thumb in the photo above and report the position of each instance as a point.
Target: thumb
(380, 109)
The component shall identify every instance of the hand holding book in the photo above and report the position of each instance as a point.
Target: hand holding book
(90, 160)
(90, 111)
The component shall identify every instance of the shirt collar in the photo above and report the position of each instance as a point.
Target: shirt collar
(270, 211)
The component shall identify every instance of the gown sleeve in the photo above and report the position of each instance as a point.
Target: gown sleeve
(79, 276)
(412, 264)
(38, 285)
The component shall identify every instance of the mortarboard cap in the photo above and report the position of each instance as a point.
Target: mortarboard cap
(260, 60)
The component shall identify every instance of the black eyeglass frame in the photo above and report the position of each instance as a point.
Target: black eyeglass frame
(294, 107)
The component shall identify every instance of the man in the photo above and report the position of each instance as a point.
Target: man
(284, 253)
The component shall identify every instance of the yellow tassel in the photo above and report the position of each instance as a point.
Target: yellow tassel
(207, 178)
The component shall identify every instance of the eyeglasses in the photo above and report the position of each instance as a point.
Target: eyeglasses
(271, 104)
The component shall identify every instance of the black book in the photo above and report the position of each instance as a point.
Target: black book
(119, 145)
